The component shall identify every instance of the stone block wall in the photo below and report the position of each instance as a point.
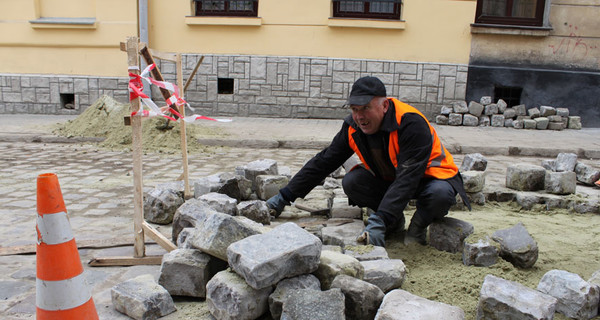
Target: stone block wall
(296, 87)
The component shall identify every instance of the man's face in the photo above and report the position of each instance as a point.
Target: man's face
(370, 116)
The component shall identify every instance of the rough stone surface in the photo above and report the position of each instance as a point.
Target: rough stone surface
(560, 182)
(541, 123)
(484, 121)
(279, 296)
(473, 162)
(339, 208)
(362, 298)
(529, 124)
(504, 299)
(220, 202)
(342, 235)
(549, 164)
(265, 259)
(214, 234)
(185, 272)
(586, 174)
(481, 253)
(520, 110)
(528, 200)
(387, 274)
(547, 111)
(509, 113)
(255, 210)
(441, 119)
(563, 112)
(473, 181)
(577, 298)
(311, 304)
(574, 123)
(160, 205)
(256, 168)
(517, 246)
(207, 184)
(475, 108)
(565, 162)
(189, 214)
(470, 120)
(533, 113)
(228, 296)
(448, 234)
(497, 120)
(142, 298)
(333, 264)
(455, 119)
(269, 185)
(399, 304)
(491, 109)
(460, 107)
(485, 100)
(446, 110)
(525, 177)
(364, 253)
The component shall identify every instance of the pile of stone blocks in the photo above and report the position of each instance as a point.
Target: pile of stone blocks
(472, 171)
(558, 291)
(550, 183)
(487, 113)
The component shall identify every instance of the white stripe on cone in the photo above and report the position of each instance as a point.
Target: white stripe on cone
(54, 228)
(63, 294)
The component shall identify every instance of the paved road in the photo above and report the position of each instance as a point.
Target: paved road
(97, 184)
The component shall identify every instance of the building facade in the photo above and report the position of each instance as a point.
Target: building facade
(272, 58)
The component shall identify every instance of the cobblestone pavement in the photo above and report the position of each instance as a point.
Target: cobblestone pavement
(98, 191)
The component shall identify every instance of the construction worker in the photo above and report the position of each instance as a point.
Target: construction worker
(402, 159)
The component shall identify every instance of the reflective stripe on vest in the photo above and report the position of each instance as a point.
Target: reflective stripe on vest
(440, 165)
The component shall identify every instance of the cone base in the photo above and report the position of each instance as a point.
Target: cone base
(86, 311)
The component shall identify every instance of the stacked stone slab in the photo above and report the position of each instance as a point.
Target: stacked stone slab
(487, 113)
(577, 298)
(472, 171)
(141, 298)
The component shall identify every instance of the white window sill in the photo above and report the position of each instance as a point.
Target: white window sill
(63, 23)
(510, 30)
(223, 21)
(366, 23)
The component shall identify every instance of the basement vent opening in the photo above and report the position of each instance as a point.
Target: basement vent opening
(67, 100)
(225, 86)
(510, 95)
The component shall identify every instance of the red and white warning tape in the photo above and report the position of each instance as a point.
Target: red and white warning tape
(136, 85)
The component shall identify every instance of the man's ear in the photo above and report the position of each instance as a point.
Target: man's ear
(386, 105)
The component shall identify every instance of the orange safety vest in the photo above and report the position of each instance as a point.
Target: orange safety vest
(440, 165)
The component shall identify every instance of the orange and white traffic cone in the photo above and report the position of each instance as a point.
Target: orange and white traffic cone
(61, 289)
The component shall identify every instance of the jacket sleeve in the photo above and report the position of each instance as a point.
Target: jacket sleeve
(415, 143)
(321, 165)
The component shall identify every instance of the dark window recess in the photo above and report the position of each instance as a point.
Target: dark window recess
(224, 86)
(67, 101)
(511, 12)
(229, 8)
(369, 9)
(510, 95)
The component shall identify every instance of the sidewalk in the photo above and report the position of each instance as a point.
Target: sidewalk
(317, 133)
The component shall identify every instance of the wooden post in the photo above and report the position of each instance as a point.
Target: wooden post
(136, 141)
(186, 181)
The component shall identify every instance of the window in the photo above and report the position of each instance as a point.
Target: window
(372, 9)
(511, 12)
(510, 95)
(224, 86)
(235, 8)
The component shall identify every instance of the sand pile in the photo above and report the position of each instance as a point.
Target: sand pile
(104, 119)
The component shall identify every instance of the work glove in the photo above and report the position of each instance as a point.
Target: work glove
(276, 204)
(374, 232)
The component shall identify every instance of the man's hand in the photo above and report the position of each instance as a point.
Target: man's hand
(374, 233)
(276, 204)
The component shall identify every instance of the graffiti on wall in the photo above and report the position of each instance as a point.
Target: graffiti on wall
(573, 46)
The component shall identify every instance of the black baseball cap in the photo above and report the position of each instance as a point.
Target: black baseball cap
(364, 90)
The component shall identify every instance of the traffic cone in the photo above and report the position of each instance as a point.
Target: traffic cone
(61, 289)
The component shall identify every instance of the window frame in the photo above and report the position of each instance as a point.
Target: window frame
(225, 12)
(507, 20)
(365, 14)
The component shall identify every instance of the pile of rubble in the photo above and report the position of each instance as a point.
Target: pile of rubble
(486, 113)
(548, 185)
(244, 269)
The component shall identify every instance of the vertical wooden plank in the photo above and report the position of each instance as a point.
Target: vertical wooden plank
(136, 141)
(186, 183)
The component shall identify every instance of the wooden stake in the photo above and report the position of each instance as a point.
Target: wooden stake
(186, 181)
(189, 80)
(136, 141)
(158, 237)
(125, 261)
